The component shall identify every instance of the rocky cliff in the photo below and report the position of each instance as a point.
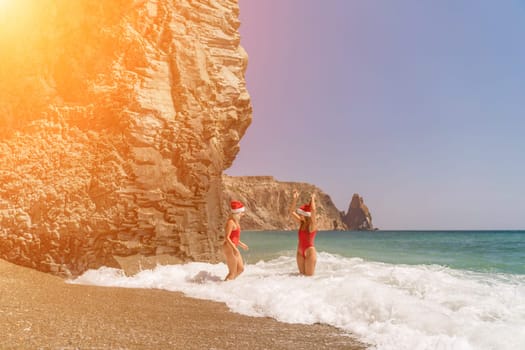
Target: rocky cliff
(358, 216)
(117, 119)
(268, 201)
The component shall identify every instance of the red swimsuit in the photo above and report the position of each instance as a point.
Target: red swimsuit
(306, 240)
(235, 236)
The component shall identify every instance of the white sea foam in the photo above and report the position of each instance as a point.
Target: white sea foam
(389, 306)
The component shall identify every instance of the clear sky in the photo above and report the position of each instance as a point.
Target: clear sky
(418, 106)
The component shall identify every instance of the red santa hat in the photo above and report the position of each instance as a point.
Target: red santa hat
(237, 207)
(305, 210)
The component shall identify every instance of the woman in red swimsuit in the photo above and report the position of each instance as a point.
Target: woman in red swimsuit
(305, 216)
(232, 239)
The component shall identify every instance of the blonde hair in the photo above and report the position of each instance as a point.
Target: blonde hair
(236, 217)
(306, 223)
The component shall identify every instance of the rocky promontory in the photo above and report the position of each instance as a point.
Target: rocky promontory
(117, 119)
(268, 201)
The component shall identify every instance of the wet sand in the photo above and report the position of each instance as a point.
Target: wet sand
(40, 311)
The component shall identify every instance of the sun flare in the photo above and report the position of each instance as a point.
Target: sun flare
(6, 8)
(15, 16)
(4, 4)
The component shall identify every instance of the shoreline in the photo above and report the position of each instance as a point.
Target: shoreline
(42, 311)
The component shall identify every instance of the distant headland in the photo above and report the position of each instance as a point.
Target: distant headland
(268, 201)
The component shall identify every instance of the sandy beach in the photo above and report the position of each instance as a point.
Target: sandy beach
(41, 311)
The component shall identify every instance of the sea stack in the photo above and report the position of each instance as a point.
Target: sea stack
(117, 119)
(358, 216)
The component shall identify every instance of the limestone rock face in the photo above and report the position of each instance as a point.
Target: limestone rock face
(117, 119)
(358, 216)
(267, 203)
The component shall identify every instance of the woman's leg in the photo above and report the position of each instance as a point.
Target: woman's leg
(239, 265)
(310, 261)
(300, 262)
(231, 261)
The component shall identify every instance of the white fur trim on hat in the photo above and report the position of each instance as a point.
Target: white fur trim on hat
(303, 213)
(238, 210)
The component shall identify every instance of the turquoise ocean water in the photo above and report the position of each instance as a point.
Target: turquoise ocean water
(482, 251)
(394, 290)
